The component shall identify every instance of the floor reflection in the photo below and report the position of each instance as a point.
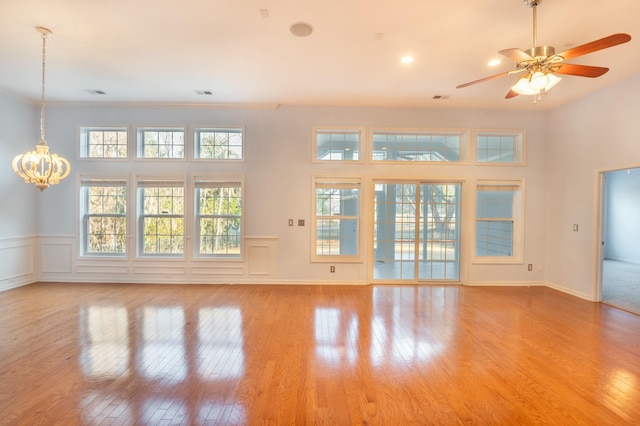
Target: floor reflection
(220, 342)
(97, 406)
(162, 351)
(149, 348)
(109, 354)
(105, 341)
(336, 335)
(407, 324)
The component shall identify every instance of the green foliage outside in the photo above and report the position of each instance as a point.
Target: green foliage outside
(220, 144)
(163, 220)
(107, 227)
(107, 144)
(220, 216)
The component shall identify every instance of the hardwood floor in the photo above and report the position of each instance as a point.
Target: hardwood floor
(160, 354)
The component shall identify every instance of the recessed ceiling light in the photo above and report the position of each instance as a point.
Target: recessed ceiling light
(407, 59)
(494, 62)
(204, 92)
(301, 29)
(96, 92)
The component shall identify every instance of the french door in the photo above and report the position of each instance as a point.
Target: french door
(416, 234)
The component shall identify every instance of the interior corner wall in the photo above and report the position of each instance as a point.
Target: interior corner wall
(18, 221)
(595, 133)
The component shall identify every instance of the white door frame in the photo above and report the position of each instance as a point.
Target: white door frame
(599, 209)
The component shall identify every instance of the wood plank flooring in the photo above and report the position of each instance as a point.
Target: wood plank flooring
(113, 354)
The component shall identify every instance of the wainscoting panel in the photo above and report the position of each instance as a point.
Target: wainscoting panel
(159, 270)
(56, 255)
(262, 255)
(17, 262)
(218, 270)
(103, 269)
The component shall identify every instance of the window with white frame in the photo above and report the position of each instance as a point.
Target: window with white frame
(499, 147)
(103, 211)
(218, 143)
(160, 143)
(498, 221)
(218, 221)
(103, 142)
(419, 146)
(161, 217)
(336, 227)
(337, 144)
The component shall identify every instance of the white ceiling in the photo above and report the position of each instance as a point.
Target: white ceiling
(162, 51)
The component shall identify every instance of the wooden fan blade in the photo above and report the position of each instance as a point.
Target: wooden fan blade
(594, 46)
(493, 77)
(511, 94)
(516, 55)
(581, 70)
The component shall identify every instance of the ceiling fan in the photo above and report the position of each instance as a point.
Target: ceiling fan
(540, 63)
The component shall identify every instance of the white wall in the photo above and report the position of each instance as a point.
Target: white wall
(278, 167)
(19, 132)
(566, 148)
(596, 133)
(622, 227)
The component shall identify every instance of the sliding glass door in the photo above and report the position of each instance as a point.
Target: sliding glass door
(416, 231)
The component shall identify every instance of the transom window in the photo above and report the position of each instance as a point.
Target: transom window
(337, 145)
(500, 147)
(103, 208)
(218, 217)
(218, 143)
(161, 217)
(103, 142)
(498, 223)
(160, 143)
(336, 228)
(419, 146)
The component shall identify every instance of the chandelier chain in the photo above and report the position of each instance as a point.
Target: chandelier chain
(44, 48)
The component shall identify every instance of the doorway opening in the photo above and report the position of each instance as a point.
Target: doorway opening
(620, 250)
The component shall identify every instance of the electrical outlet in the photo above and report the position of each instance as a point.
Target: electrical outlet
(530, 267)
(300, 222)
(332, 269)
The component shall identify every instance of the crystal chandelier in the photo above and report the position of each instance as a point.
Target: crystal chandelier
(39, 166)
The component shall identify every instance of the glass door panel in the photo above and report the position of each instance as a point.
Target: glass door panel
(439, 232)
(416, 231)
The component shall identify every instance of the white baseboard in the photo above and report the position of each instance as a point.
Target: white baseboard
(570, 291)
(183, 280)
(504, 284)
(618, 259)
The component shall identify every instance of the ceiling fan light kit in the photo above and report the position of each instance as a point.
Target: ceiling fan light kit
(540, 63)
(535, 84)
